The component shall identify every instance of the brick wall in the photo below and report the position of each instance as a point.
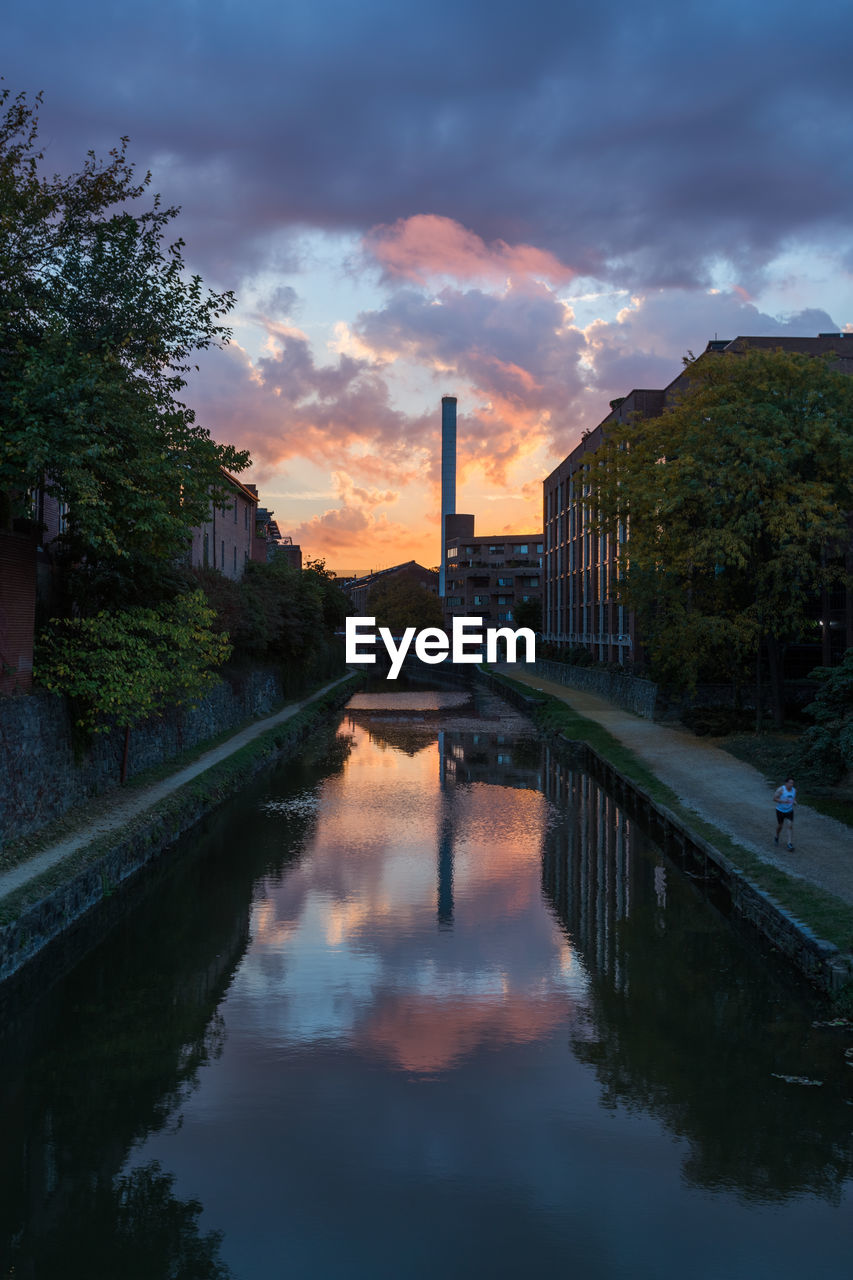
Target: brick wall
(17, 611)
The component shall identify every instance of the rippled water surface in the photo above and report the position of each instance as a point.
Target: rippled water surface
(425, 1003)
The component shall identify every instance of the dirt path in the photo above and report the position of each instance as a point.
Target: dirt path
(726, 792)
(128, 805)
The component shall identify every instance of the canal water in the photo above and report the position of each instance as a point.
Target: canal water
(425, 1003)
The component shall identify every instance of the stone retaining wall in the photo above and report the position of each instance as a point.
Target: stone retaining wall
(45, 769)
(90, 876)
(628, 692)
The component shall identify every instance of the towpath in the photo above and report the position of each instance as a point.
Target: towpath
(126, 805)
(728, 793)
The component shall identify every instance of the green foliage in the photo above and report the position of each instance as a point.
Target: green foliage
(98, 326)
(827, 747)
(119, 668)
(276, 613)
(402, 602)
(528, 613)
(736, 498)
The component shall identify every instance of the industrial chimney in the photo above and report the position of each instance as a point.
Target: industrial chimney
(448, 476)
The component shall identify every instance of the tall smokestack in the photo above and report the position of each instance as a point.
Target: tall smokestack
(448, 475)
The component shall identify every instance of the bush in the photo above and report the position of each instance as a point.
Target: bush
(827, 747)
(277, 614)
(715, 721)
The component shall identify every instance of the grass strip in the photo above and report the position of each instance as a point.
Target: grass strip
(826, 915)
(775, 756)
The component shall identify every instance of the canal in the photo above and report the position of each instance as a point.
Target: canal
(424, 1003)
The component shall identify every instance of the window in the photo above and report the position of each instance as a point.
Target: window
(480, 600)
(539, 548)
(504, 582)
(522, 549)
(452, 553)
(496, 550)
(453, 602)
(235, 510)
(245, 515)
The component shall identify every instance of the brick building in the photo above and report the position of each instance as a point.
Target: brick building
(225, 540)
(582, 568)
(487, 577)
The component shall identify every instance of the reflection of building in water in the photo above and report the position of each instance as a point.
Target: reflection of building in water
(683, 1020)
(496, 758)
(445, 866)
(409, 734)
(464, 757)
(588, 871)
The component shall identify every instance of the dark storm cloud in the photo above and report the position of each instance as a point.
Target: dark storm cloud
(638, 141)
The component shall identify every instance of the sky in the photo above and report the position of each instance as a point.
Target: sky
(534, 208)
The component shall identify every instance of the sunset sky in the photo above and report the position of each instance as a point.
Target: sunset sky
(533, 207)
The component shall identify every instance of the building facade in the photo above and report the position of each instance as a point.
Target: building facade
(225, 540)
(583, 568)
(488, 577)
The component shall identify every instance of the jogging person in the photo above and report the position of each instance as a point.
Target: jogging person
(785, 797)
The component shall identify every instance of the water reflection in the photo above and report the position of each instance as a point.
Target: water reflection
(427, 1002)
(678, 1024)
(90, 1065)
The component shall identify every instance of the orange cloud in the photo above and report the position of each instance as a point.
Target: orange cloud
(428, 245)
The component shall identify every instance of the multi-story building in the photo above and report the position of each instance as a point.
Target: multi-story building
(267, 540)
(488, 577)
(225, 540)
(583, 568)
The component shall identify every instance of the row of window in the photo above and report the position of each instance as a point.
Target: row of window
(237, 503)
(205, 555)
(498, 549)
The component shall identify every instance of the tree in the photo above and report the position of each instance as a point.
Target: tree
(827, 747)
(334, 604)
(99, 323)
(278, 614)
(119, 668)
(401, 602)
(528, 613)
(736, 500)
